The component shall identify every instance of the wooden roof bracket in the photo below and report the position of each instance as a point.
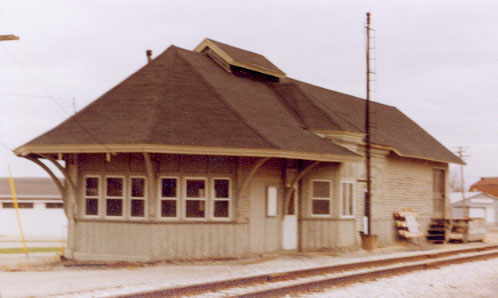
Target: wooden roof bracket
(247, 181)
(58, 183)
(70, 206)
(289, 190)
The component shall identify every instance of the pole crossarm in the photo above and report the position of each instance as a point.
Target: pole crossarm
(6, 37)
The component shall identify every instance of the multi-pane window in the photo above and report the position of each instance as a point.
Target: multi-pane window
(221, 197)
(321, 197)
(54, 205)
(169, 197)
(137, 196)
(347, 202)
(114, 196)
(195, 198)
(92, 194)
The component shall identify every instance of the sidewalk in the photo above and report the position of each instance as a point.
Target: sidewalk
(57, 280)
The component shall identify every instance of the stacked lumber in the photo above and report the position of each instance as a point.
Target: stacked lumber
(405, 221)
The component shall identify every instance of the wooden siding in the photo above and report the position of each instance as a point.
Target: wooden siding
(265, 233)
(320, 234)
(404, 183)
(156, 241)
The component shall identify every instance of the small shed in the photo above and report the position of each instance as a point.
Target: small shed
(475, 205)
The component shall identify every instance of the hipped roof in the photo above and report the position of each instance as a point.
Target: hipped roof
(488, 185)
(183, 98)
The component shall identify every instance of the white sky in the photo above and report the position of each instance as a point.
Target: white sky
(437, 61)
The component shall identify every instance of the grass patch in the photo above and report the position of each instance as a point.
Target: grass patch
(20, 250)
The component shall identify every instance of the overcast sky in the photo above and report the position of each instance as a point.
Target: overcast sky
(437, 61)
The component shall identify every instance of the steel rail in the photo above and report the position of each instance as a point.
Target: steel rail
(421, 261)
(327, 283)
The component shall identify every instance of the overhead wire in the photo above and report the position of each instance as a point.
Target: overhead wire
(61, 108)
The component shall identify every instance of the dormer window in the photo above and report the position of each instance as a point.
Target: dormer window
(241, 62)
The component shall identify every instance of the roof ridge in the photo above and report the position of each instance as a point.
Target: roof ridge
(288, 106)
(167, 83)
(343, 93)
(224, 102)
(313, 101)
(323, 109)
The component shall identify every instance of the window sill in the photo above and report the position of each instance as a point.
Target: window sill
(158, 221)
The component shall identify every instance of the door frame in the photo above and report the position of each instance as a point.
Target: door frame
(290, 223)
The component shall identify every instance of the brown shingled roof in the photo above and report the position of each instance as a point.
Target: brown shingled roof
(487, 185)
(184, 98)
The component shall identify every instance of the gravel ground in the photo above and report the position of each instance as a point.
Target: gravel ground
(48, 278)
(475, 279)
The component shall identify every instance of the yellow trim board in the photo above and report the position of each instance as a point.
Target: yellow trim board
(195, 150)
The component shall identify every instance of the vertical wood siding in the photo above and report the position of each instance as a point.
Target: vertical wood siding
(146, 242)
(321, 234)
(406, 183)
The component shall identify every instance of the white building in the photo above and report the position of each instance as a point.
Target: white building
(480, 205)
(41, 209)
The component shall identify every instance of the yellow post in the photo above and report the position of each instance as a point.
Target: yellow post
(18, 215)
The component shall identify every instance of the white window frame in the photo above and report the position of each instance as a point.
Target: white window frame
(214, 199)
(205, 199)
(98, 197)
(161, 198)
(330, 198)
(353, 201)
(131, 197)
(123, 198)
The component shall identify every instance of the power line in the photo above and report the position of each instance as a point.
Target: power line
(53, 99)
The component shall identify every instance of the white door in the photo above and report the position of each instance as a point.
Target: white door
(490, 215)
(477, 212)
(289, 228)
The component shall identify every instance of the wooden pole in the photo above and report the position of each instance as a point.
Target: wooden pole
(368, 148)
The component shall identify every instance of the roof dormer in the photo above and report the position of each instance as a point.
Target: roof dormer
(240, 61)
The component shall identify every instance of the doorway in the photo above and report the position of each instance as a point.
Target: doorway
(289, 226)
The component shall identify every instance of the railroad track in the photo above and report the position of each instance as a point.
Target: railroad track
(299, 281)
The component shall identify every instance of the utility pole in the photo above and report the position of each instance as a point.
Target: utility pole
(368, 141)
(460, 151)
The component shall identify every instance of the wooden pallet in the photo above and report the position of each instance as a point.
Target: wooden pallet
(405, 221)
(438, 230)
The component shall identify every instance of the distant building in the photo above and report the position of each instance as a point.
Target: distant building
(480, 205)
(216, 153)
(40, 205)
(488, 185)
